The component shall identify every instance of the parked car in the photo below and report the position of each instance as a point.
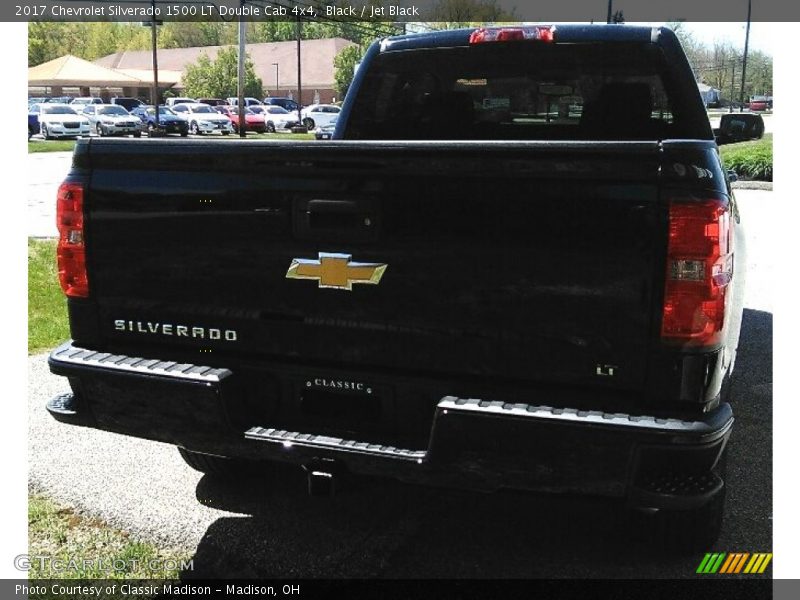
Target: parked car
(127, 103)
(758, 103)
(84, 100)
(286, 103)
(33, 118)
(277, 118)
(61, 120)
(234, 101)
(168, 121)
(253, 121)
(203, 119)
(212, 101)
(179, 100)
(325, 132)
(319, 114)
(112, 119)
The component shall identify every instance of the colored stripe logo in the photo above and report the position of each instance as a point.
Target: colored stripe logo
(734, 563)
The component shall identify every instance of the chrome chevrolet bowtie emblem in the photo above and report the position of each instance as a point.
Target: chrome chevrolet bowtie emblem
(336, 271)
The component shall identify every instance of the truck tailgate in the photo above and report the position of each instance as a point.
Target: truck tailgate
(532, 261)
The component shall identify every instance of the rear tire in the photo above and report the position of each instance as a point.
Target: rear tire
(308, 122)
(221, 466)
(270, 127)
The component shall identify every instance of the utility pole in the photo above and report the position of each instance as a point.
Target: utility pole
(299, 80)
(242, 33)
(610, 11)
(733, 77)
(154, 38)
(746, 44)
(277, 79)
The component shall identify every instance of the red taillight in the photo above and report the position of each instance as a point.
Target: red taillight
(71, 249)
(511, 34)
(699, 268)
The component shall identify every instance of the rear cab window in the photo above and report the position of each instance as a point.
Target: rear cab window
(523, 91)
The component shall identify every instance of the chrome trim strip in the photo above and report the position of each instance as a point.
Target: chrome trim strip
(717, 421)
(324, 442)
(69, 354)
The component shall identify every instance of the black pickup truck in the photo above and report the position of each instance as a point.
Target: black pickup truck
(519, 264)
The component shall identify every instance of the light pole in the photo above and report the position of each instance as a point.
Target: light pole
(277, 79)
(154, 40)
(299, 79)
(240, 85)
(744, 61)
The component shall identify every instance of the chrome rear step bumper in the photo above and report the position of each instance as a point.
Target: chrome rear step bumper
(473, 443)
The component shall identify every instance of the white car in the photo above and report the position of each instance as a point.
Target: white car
(173, 101)
(61, 120)
(112, 119)
(234, 101)
(80, 102)
(203, 119)
(276, 118)
(319, 115)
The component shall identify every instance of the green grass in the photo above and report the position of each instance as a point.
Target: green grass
(51, 146)
(750, 160)
(72, 539)
(69, 145)
(47, 308)
(274, 137)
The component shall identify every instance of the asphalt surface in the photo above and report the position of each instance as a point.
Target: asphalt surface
(269, 527)
(46, 171)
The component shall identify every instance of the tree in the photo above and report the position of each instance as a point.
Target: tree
(759, 74)
(453, 14)
(219, 78)
(344, 65)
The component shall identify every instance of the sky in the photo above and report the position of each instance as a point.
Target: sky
(762, 35)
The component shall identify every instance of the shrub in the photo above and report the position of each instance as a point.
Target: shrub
(750, 160)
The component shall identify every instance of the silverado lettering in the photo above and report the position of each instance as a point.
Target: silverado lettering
(229, 335)
(563, 307)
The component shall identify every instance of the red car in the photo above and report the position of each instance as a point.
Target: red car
(759, 104)
(253, 121)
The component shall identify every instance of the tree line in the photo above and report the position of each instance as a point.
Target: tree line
(719, 65)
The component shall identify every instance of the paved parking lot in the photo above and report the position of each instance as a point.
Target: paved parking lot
(46, 171)
(271, 528)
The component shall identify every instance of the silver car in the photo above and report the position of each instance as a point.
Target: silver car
(203, 119)
(112, 119)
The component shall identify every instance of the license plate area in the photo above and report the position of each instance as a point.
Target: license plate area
(338, 406)
(344, 412)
